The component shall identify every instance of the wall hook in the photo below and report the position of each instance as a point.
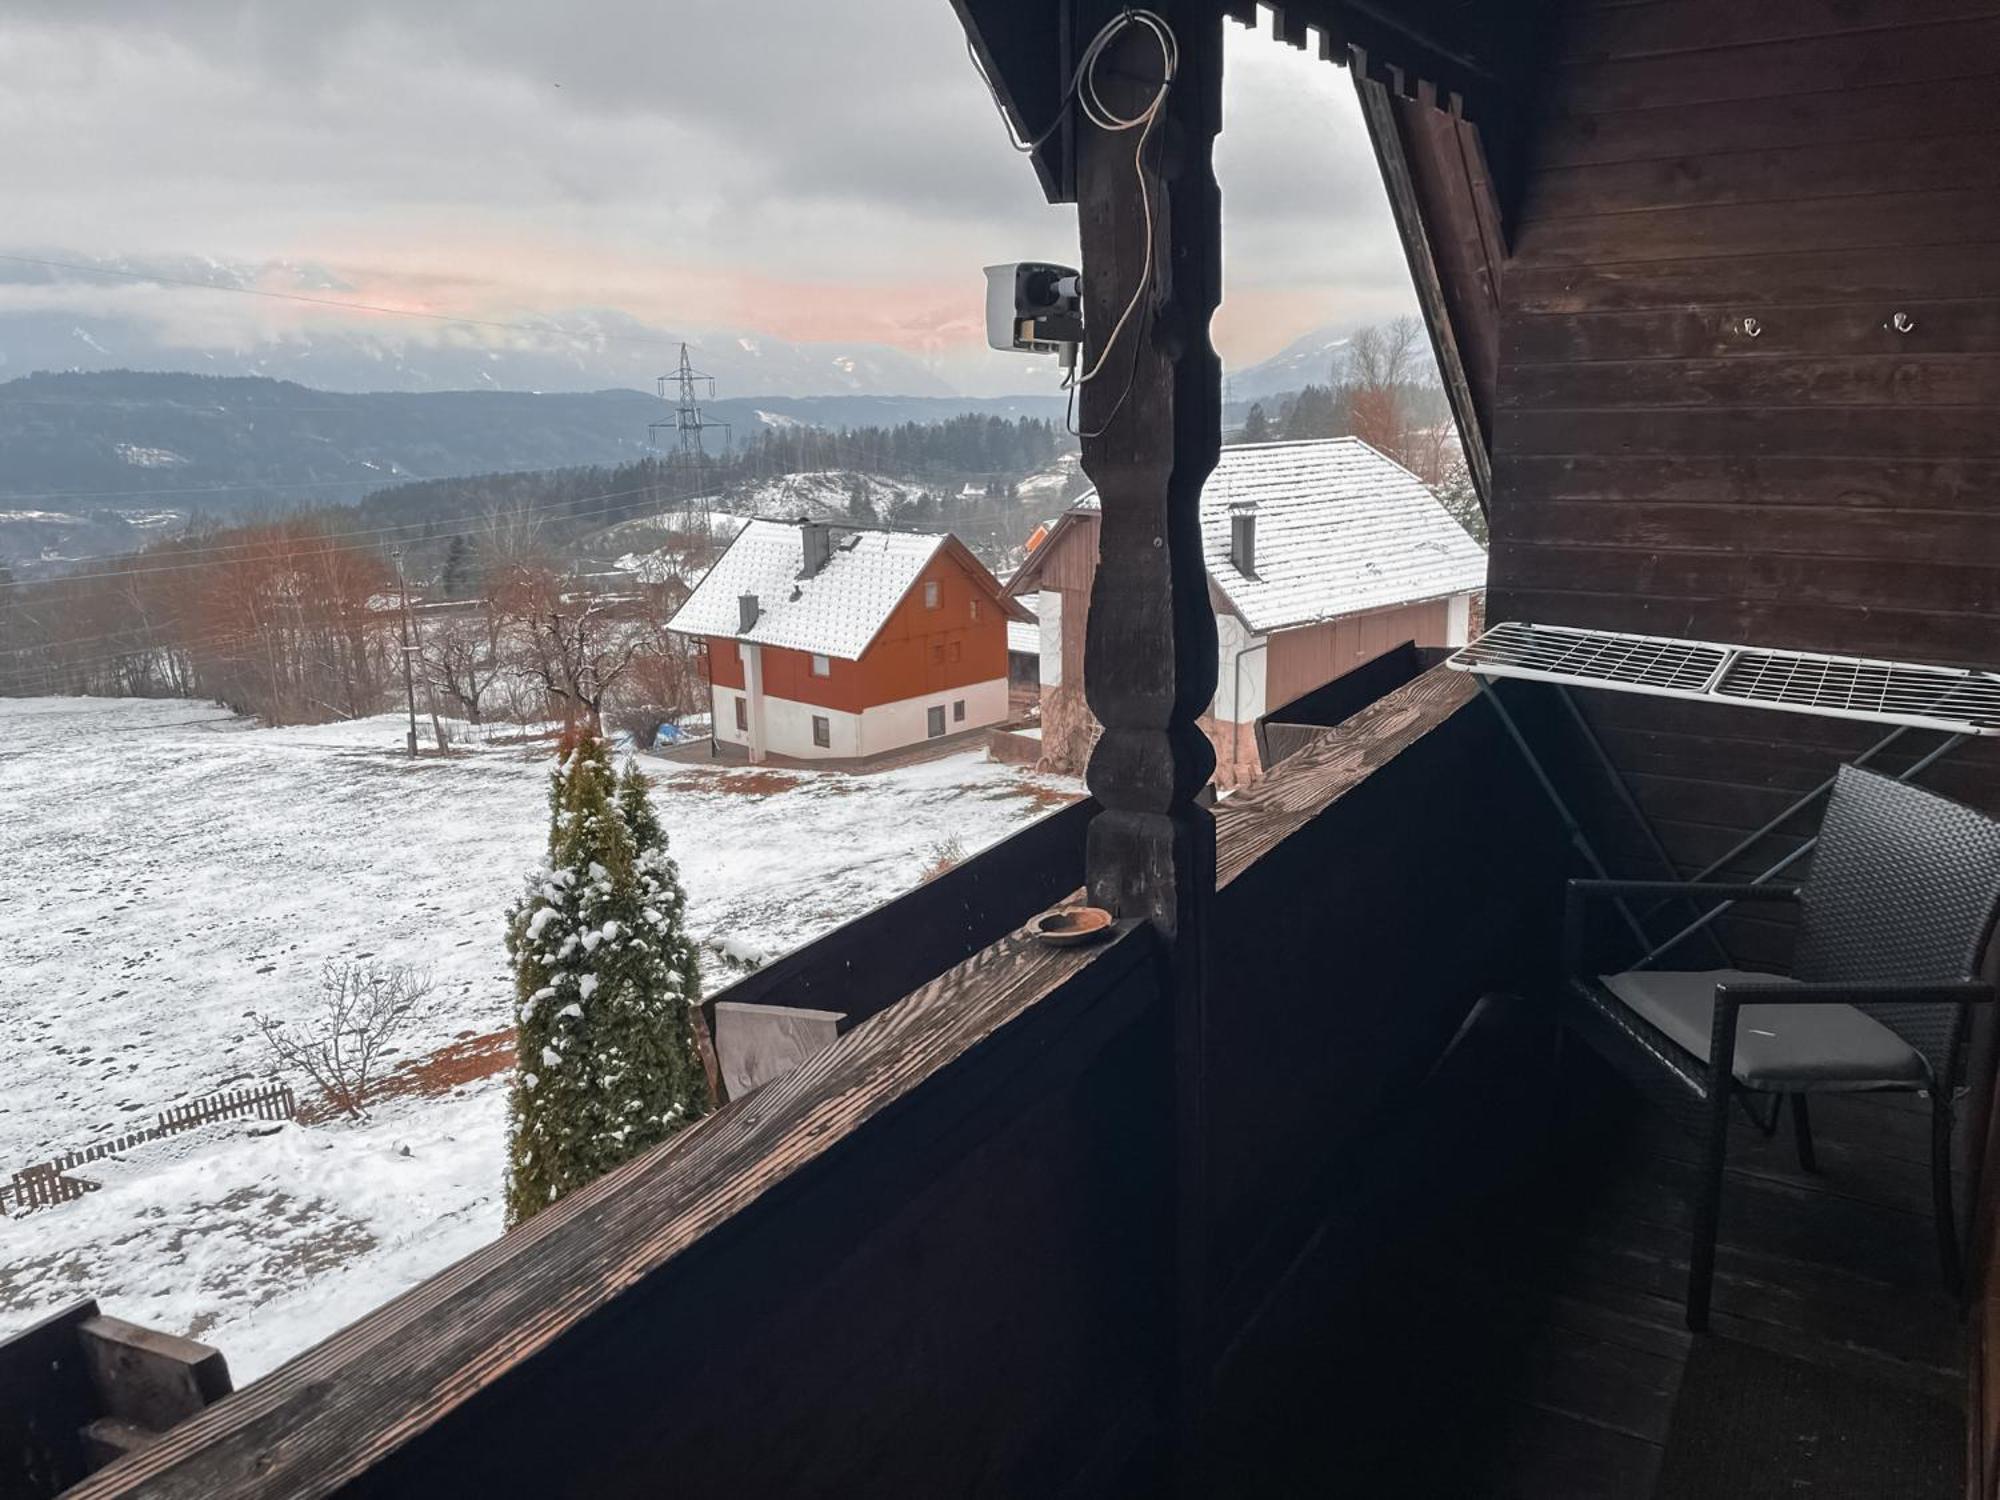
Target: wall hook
(1902, 322)
(1751, 328)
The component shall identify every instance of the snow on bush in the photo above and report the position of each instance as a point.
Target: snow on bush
(606, 979)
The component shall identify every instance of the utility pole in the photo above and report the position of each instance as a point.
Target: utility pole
(409, 676)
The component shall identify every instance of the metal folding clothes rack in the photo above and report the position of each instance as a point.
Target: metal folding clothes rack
(1958, 704)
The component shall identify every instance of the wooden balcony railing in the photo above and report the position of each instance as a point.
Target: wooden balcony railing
(940, 1257)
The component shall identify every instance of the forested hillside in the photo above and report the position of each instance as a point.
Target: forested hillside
(98, 463)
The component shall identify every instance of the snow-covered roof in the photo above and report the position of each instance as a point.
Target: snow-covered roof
(1341, 528)
(1024, 640)
(839, 610)
(1025, 636)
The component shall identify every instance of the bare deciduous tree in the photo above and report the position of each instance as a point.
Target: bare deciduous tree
(361, 1007)
(463, 659)
(581, 650)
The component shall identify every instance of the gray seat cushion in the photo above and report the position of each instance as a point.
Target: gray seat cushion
(1778, 1047)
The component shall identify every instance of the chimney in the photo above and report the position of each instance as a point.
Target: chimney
(746, 613)
(1243, 537)
(818, 540)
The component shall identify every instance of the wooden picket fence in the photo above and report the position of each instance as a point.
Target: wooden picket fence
(47, 1182)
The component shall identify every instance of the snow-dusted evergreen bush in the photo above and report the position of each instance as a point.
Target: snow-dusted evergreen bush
(605, 984)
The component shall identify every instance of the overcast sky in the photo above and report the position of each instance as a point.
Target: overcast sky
(802, 168)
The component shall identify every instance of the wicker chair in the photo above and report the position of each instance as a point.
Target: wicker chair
(1895, 920)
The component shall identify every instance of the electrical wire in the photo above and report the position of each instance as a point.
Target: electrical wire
(1104, 118)
(371, 485)
(476, 523)
(483, 522)
(214, 642)
(1082, 90)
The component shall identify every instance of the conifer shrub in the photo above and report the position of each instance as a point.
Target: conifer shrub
(606, 981)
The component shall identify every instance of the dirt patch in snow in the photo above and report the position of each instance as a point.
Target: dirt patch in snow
(1045, 797)
(452, 1066)
(738, 783)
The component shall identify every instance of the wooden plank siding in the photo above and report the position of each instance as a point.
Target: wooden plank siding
(1423, 781)
(1829, 483)
(1313, 655)
(919, 650)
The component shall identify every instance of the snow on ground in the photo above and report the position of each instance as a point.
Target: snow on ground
(824, 494)
(165, 869)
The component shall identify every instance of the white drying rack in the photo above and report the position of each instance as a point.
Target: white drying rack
(1957, 703)
(1949, 699)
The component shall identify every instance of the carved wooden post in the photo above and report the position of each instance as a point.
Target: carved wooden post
(1151, 421)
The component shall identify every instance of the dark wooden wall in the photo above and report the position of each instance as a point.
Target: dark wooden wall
(1427, 871)
(1817, 166)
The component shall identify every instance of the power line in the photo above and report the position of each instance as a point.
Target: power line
(214, 489)
(157, 279)
(213, 642)
(314, 556)
(484, 520)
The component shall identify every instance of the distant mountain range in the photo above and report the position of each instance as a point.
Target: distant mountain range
(1307, 360)
(93, 463)
(43, 326)
(56, 313)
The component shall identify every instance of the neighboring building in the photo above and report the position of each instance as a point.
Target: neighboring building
(825, 642)
(1024, 651)
(1321, 554)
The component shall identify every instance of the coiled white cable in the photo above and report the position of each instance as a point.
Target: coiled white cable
(1106, 119)
(1083, 88)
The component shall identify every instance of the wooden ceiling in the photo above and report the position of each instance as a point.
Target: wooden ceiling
(1472, 58)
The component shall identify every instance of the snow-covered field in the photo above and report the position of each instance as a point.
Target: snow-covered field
(166, 869)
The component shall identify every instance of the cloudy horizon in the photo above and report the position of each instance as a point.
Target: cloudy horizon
(837, 177)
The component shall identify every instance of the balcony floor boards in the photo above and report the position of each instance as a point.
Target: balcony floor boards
(1531, 1343)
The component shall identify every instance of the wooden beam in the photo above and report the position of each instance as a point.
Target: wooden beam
(1151, 423)
(1024, 49)
(1443, 312)
(152, 1379)
(108, 1439)
(1151, 419)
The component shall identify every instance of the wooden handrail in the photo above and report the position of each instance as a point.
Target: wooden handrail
(1255, 821)
(853, 971)
(330, 1416)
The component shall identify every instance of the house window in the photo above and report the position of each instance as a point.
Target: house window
(822, 732)
(958, 711)
(936, 726)
(742, 715)
(955, 650)
(975, 611)
(931, 594)
(822, 667)
(937, 651)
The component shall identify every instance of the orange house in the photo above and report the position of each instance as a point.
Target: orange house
(827, 642)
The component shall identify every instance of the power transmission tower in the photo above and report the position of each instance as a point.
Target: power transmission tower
(687, 421)
(688, 425)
